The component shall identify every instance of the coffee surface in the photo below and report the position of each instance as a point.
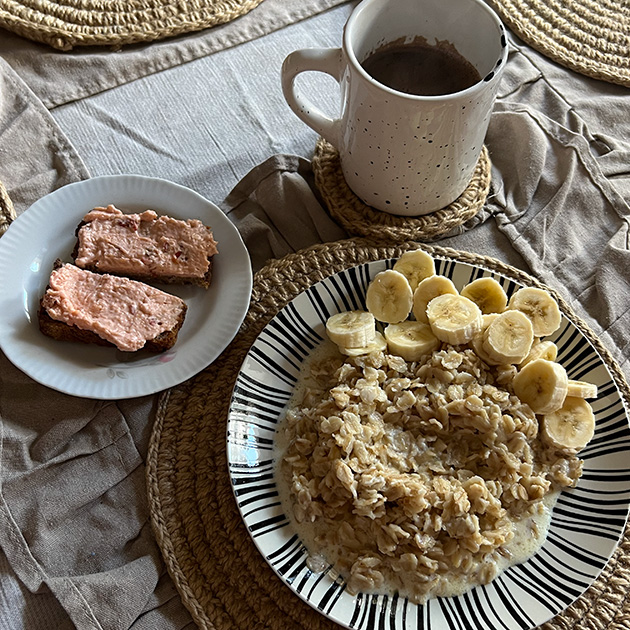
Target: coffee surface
(421, 68)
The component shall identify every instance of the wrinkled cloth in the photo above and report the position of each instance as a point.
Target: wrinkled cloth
(75, 526)
(78, 550)
(36, 157)
(563, 187)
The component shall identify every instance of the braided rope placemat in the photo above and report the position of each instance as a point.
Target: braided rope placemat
(591, 37)
(222, 578)
(7, 212)
(359, 219)
(64, 24)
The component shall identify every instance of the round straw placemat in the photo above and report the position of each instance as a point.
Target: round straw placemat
(222, 578)
(7, 212)
(591, 37)
(359, 219)
(64, 24)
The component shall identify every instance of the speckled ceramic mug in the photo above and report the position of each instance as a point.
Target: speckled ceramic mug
(402, 153)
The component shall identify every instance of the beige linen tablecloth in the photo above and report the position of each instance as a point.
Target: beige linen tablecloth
(74, 526)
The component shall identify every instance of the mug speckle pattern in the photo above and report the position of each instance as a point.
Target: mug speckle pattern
(411, 162)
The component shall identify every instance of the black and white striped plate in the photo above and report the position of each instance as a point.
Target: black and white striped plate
(587, 521)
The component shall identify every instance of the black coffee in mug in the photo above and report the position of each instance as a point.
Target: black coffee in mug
(420, 68)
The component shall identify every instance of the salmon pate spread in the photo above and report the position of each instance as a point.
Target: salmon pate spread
(144, 244)
(124, 312)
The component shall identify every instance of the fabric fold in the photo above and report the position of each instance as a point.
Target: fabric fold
(46, 160)
(565, 218)
(276, 208)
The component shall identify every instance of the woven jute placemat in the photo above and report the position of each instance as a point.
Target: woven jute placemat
(64, 24)
(359, 219)
(591, 37)
(222, 578)
(7, 211)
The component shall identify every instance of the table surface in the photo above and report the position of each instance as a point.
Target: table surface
(560, 148)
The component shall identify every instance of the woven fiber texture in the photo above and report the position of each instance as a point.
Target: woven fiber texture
(7, 212)
(591, 37)
(222, 578)
(359, 219)
(64, 24)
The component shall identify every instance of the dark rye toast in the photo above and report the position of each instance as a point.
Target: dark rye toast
(150, 254)
(61, 331)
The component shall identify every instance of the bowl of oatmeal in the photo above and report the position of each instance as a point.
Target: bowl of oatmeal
(424, 491)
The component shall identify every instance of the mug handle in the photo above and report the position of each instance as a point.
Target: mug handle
(326, 60)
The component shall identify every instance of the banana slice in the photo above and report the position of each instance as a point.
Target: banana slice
(541, 350)
(571, 427)
(453, 318)
(508, 338)
(542, 385)
(540, 307)
(389, 297)
(487, 294)
(415, 266)
(351, 329)
(477, 341)
(581, 389)
(488, 318)
(411, 340)
(428, 289)
(378, 344)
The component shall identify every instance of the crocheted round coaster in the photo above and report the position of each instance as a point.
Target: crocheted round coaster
(64, 24)
(591, 37)
(362, 220)
(222, 578)
(7, 212)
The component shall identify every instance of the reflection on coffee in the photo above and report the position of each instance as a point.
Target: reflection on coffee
(420, 68)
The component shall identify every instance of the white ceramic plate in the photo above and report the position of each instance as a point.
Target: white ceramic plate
(46, 231)
(587, 523)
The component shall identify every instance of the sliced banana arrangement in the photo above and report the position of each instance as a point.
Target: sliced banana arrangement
(415, 265)
(508, 338)
(571, 427)
(419, 311)
(427, 289)
(378, 344)
(540, 307)
(542, 384)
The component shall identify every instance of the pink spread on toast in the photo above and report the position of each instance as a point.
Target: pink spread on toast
(144, 244)
(124, 312)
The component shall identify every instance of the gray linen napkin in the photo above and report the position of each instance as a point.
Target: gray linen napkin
(560, 146)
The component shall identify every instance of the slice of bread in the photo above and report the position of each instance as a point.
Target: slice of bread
(101, 331)
(145, 247)
(63, 332)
